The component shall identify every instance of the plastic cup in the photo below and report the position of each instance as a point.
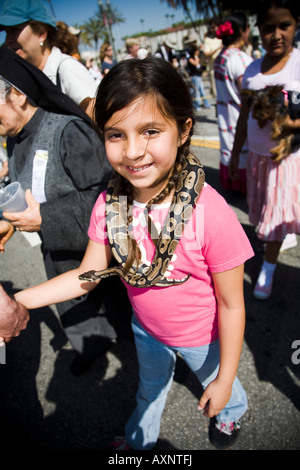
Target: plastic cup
(12, 198)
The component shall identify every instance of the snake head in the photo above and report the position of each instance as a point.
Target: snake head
(88, 276)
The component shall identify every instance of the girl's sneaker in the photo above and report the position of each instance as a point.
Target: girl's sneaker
(262, 292)
(222, 435)
(119, 443)
(264, 284)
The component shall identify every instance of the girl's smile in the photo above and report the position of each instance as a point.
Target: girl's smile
(140, 168)
(141, 145)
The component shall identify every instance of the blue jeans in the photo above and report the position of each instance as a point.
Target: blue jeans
(199, 92)
(156, 370)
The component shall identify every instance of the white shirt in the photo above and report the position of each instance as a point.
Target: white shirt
(230, 64)
(253, 79)
(75, 79)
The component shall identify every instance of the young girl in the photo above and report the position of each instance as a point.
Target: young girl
(230, 66)
(273, 187)
(185, 282)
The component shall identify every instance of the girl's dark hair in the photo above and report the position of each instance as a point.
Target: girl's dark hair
(239, 22)
(155, 78)
(135, 78)
(265, 5)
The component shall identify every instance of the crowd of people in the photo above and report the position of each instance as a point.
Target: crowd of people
(106, 163)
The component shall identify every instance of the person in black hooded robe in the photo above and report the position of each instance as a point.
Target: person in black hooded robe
(55, 153)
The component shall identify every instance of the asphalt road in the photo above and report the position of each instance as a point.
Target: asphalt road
(43, 406)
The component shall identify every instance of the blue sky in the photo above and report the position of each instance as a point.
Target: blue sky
(151, 11)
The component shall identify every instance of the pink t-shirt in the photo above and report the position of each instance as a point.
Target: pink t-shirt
(213, 241)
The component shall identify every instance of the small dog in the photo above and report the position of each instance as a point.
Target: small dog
(274, 104)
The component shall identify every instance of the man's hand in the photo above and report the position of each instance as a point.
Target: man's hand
(29, 220)
(13, 316)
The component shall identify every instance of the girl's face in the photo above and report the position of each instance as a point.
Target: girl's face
(277, 31)
(141, 145)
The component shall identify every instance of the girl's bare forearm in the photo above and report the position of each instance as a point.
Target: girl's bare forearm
(59, 289)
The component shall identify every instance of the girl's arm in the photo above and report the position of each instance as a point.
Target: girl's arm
(239, 82)
(67, 286)
(291, 125)
(231, 317)
(239, 139)
(6, 232)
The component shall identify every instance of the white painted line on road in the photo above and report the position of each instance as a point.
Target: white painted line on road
(203, 141)
(32, 238)
(206, 137)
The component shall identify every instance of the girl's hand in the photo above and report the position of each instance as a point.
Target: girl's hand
(6, 232)
(290, 125)
(29, 220)
(214, 398)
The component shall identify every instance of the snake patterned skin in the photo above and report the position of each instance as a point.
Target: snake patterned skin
(187, 191)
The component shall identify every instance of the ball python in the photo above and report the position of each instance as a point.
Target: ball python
(186, 193)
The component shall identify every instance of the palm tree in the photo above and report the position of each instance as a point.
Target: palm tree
(92, 31)
(109, 16)
(114, 16)
(99, 26)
